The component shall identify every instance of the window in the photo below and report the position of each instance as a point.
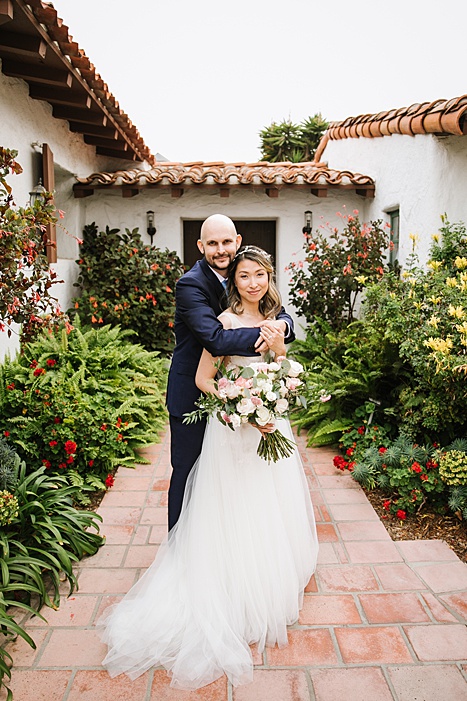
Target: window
(394, 249)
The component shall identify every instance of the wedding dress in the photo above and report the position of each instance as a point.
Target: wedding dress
(231, 572)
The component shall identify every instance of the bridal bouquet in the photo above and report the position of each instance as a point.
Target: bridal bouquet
(258, 393)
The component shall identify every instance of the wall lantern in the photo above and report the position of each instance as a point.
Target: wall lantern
(308, 222)
(37, 194)
(151, 229)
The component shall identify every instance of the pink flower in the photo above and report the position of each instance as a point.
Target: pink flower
(223, 382)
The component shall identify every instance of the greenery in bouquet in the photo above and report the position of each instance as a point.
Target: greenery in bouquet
(26, 278)
(128, 283)
(82, 402)
(337, 267)
(424, 314)
(258, 394)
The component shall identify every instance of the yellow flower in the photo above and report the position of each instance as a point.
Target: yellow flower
(434, 321)
(435, 237)
(414, 237)
(361, 279)
(460, 263)
(440, 345)
(451, 282)
(434, 264)
(392, 295)
(456, 312)
(418, 305)
(435, 300)
(464, 340)
(462, 328)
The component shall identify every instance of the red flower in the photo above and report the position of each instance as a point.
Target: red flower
(382, 450)
(387, 504)
(47, 463)
(70, 460)
(53, 444)
(351, 466)
(361, 430)
(435, 445)
(38, 371)
(109, 482)
(91, 463)
(349, 452)
(62, 465)
(11, 385)
(416, 467)
(424, 477)
(401, 514)
(70, 447)
(104, 427)
(6, 433)
(51, 362)
(57, 420)
(33, 364)
(431, 465)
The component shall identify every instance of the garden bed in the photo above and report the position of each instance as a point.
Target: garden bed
(425, 525)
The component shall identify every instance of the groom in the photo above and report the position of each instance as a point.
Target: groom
(199, 299)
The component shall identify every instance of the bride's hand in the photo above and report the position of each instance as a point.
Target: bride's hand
(268, 428)
(273, 335)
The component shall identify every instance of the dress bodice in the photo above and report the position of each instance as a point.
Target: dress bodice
(240, 360)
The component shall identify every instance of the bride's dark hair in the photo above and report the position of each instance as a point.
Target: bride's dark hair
(271, 303)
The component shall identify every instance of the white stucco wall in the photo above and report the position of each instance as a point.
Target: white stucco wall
(109, 208)
(23, 122)
(424, 176)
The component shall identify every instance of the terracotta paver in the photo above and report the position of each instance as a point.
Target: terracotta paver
(381, 621)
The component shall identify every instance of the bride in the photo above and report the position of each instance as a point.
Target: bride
(233, 570)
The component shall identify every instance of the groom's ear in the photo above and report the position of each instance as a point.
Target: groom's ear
(239, 241)
(199, 243)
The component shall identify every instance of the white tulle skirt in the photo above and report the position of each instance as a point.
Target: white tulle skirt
(231, 572)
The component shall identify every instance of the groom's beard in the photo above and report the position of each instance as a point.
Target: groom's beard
(221, 263)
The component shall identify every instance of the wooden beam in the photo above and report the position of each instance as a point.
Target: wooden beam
(77, 114)
(319, 191)
(22, 45)
(129, 191)
(80, 192)
(113, 153)
(106, 132)
(6, 11)
(176, 191)
(224, 192)
(60, 96)
(37, 73)
(94, 140)
(48, 175)
(272, 192)
(368, 191)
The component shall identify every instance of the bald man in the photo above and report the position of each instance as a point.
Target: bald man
(199, 299)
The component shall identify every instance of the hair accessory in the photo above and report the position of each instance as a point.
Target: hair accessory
(252, 249)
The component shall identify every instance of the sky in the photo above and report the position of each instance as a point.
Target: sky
(201, 78)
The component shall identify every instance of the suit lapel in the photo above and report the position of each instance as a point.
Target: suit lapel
(215, 288)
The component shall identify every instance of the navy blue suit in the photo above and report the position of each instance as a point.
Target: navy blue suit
(199, 299)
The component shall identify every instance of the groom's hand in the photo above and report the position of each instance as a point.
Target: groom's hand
(276, 326)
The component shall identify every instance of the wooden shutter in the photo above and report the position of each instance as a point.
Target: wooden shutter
(48, 179)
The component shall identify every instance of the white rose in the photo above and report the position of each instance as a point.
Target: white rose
(245, 406)
(235, 420)
(274, 367)
(232, 391)
(266, 386)
(295, 369)
(271, 396)
(263, 416)
(282, 405)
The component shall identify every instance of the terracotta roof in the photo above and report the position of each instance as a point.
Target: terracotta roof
(272, 175)
(36, 45)
(438, 117)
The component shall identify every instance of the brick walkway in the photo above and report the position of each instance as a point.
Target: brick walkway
(381, 621)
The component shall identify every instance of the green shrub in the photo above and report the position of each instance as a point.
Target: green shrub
(453, 467)
(127, 283)
(83, 402)
(337, 267)
(424, 314)
(42, 540)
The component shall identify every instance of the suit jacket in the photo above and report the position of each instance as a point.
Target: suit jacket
(199, 299)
